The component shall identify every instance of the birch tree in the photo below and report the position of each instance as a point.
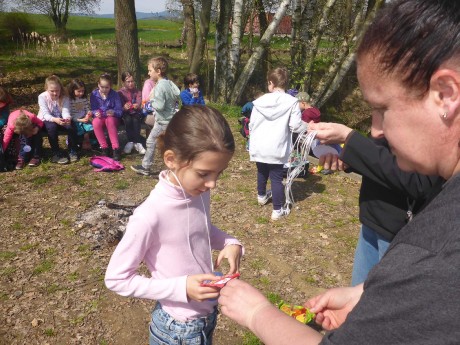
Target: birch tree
(338, 69)
(236, 39)
(221, 87)
(264, 43)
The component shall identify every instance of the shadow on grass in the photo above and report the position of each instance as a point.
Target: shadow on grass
(304, 188)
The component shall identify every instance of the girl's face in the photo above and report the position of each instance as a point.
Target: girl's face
(54, 90)
(129, 83)
(201, 174)
(104, 86)
(412, 126)
(153, 73)
(79, 92)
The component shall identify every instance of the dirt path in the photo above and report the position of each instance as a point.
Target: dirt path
(52, 287)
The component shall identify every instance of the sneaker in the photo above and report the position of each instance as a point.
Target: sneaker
(35, 162)
(59, 160)
(139, 148)
(262, 200)
(20, 164)
(282, 212)
(116, 154)
(129, 147)
(73, 157)
(140, 169)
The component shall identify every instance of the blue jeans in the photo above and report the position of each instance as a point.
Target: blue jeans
(370, 249)
(150, 144)
(165, 330)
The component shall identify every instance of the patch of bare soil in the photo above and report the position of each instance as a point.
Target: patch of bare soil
(60, 225)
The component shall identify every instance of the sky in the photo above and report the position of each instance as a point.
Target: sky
(141, 6)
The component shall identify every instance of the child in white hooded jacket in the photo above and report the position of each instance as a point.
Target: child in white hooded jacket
(274, 117)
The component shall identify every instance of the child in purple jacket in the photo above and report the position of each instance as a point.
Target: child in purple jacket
(107, 110)
(132, 113)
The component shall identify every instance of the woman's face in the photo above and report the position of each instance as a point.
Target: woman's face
(412, 126)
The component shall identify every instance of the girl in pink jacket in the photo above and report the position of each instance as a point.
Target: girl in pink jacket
(171, 232)
(27, 126)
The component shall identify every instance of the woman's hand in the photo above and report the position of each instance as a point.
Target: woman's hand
(329, 132)
(241, 302)
(332, 307)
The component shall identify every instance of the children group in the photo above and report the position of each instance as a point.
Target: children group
(171, 231)
(68, 109)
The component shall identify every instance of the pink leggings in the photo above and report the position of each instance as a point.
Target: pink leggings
(111, 123)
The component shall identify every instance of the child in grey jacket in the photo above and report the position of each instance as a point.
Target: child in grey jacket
(163, 98)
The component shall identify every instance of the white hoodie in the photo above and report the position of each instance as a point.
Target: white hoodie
(274, 116)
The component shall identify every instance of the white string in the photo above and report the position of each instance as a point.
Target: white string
(302, 146)
(188, 224)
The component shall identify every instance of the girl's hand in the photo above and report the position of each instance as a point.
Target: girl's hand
(135, 106)
(127, 106)
(200, 293)
(109, 112)
(333, 306)
(59, 121)
(83, 119)
(98, 114)
(232, 253)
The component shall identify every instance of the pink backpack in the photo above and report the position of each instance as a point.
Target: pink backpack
(102, 163)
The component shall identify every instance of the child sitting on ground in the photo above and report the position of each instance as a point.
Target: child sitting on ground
(80, 112)
(5, 101)
(55, 113)
(27, 126)
(171, 232)
(131, 102)
(164, 100)
(106, 108)
(191, 94)
(273, 117)
(309, 112)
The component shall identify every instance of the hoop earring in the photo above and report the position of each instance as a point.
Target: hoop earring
(444, 115)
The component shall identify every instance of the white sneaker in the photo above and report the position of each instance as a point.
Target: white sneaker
(262, 200)
(128, 147)
(283, 212)
(139, 148)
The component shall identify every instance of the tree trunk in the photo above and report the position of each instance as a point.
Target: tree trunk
(189, 28)
(236, 40)
(243, 79)
(126, 39)
(221, 69)
(263, 26)
(198, 52)
(60, 14)
(295, 30)
(315, 44)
